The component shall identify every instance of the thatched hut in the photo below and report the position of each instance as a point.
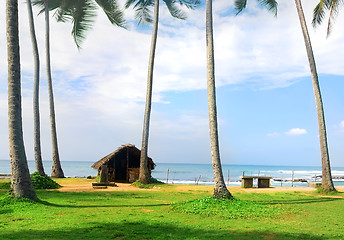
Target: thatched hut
(123, 164)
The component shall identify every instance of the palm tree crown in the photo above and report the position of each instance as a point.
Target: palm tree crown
(240, 5)
(321, 8)
(82, 14)
(144, 13)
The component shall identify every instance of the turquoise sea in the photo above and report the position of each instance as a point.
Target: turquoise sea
(190, 173)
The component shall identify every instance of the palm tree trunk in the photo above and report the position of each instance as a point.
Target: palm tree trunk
(144, 176)
(220, 189)
(36, 120)
(56, 168)
(327, 183)
(21, 185)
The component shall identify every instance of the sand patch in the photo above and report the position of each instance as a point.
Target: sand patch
(87, 187)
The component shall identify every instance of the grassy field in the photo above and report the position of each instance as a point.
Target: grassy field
(147, 214)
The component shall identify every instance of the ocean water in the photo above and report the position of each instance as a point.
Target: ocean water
(70, 168)
(203, 173)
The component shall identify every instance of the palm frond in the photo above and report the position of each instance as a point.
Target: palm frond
(142, 9)
(112, 11)
(333, 14)
(240, 5)
(129, 3)
(144, 15)
(191, 4)
(270, 4)
(83, 19)
(318, 13)
(174, 10)
(52, 5)
(65, 10)
(81, 13)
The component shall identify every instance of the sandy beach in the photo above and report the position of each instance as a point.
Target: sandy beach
(87, 187)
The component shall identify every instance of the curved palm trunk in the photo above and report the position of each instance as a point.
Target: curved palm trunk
(144, 176)
(56, 168)
(21, 185)
(36, 120)
(327, 182)
(220, 189)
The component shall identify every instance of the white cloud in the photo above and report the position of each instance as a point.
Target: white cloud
(271, 54)
(273, 134)
(296, 132)
(341, 125)
(101, 89)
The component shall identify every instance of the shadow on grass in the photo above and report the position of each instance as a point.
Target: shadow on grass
(144, 230)
(4, 211)
(87, 195)
(299, 201)
(101, 205)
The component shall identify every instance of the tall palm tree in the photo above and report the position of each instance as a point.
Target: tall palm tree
(36, 120)
(21, 185)
(56, 167)
(327, 183)
(81, 13)
(143, 14)
(321, 8)
(220, 189)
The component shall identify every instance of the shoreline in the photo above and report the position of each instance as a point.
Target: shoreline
(87, 187)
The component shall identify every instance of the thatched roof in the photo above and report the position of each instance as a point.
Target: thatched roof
(130, 147)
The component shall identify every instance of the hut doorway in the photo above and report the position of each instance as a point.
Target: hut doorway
(121, 169)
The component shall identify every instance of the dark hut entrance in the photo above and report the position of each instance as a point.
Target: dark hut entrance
(123, 164)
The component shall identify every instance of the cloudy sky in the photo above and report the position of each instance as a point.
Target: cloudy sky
(265, 99)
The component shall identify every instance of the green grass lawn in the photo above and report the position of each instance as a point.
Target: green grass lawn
(147, 214)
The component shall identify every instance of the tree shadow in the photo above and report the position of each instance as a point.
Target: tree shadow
(101, 205)
(4, 211)
(299, 201)
(151, 230)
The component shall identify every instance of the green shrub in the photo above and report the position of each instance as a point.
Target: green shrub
(321, 190)
(43, 182)
(155, 181)
(97, 179)
(140, 185)
(151, 184)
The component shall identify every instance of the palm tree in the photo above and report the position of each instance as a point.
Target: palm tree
(21, 185)
(319, 12)
(37, 133)
(56, 167)
(327, 183)
(143, 14)
(220, 189)
(81, 13)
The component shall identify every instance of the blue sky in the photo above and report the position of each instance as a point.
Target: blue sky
(265, 100)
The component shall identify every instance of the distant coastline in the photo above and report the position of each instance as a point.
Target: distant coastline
(201, 173)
